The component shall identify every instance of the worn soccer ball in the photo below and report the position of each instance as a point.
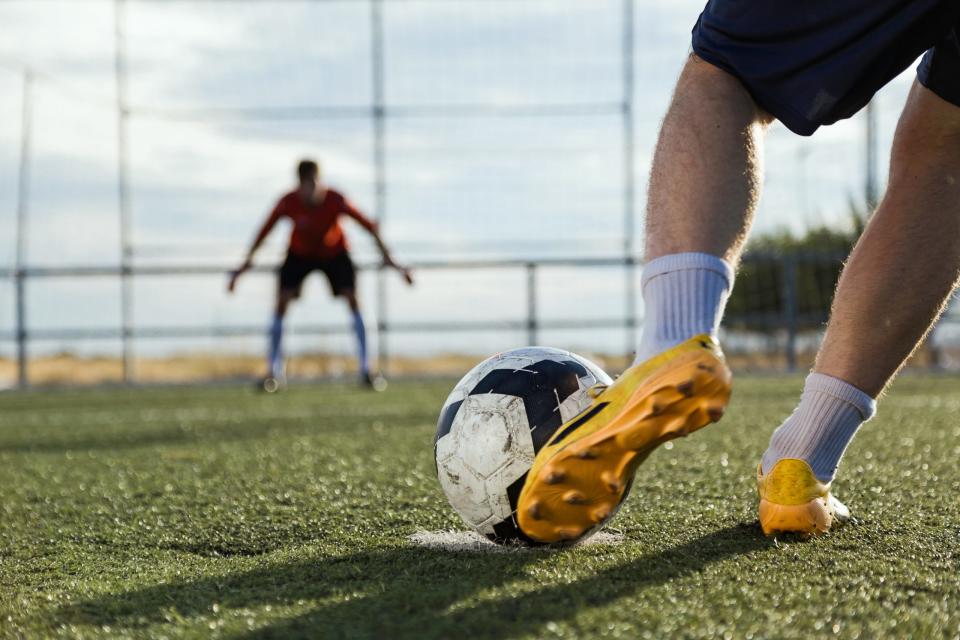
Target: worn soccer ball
(496, 420)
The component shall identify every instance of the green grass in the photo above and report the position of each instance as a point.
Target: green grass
(216, 512)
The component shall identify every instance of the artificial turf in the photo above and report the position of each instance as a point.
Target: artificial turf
(218, 512)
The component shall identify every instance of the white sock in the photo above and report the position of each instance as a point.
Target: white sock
(684, 295)
(829, 414)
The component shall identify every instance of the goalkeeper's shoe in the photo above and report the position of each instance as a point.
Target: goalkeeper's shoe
(792, 500)
(579, 479)
(271, 384)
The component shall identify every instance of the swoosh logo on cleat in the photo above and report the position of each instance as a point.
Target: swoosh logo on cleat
(573, 426)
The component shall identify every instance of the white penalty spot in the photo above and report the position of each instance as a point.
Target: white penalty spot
(466, 541)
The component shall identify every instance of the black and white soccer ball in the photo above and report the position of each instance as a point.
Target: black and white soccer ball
(496, 420)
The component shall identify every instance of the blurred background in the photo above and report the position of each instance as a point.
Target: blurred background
(503, 144)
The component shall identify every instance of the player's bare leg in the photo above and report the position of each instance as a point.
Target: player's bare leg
(705, 185)
(892, 290)
(707, 169)
(909, 252)
(704, 189)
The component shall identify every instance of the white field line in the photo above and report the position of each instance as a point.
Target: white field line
(470, 541)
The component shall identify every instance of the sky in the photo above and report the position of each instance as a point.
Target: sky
(202, 176)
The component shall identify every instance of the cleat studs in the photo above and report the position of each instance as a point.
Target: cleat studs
(715, 414)
(686, 389)
(574, 497)
(611, 481)
(534, 511)
(554, 477)
(600, 514)
(569, 533)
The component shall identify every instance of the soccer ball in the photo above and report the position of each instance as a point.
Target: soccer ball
(496, 420)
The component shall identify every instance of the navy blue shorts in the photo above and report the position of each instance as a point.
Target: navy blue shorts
(340, 272)
(815, 62)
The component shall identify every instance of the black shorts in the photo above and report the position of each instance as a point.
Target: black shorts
(340, 272)
(815, 62)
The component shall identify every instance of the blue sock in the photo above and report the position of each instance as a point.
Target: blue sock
(275, 354)
(361, 331)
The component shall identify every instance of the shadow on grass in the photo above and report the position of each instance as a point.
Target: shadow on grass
(411, 592)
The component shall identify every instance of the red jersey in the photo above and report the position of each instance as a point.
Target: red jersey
(316, 226)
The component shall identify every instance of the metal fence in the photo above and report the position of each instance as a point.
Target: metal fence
(531, 323)
(776, 303)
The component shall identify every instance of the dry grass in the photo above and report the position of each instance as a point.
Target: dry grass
(71, 369)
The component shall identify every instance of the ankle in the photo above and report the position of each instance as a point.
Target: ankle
(820, 429)
(684, 295)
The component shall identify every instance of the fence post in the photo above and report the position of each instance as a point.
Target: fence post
(23, 195)
(629, 170)
(790, 309)
(532, 338)
(630, 322)
(22, 375)
(383, 324)
(123, 189)
(871, 189)
(378, 118)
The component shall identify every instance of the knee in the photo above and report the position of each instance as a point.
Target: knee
(704, 82)
(928, 123)
(927, 140)
(351, 299)
(283, 303)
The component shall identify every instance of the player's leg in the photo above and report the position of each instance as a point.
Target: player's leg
(289, 283)
(275, 361)
(342, 275)
(893, 288)
(704, 188)
(902, 269)
(360, 333)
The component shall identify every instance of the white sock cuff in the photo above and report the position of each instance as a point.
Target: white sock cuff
(685, 262)
(861, 401)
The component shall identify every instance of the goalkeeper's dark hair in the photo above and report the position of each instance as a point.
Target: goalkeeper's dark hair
(308, 169)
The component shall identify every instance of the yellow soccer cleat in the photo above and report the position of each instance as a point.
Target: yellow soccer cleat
(792, 500)
(581, 476)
